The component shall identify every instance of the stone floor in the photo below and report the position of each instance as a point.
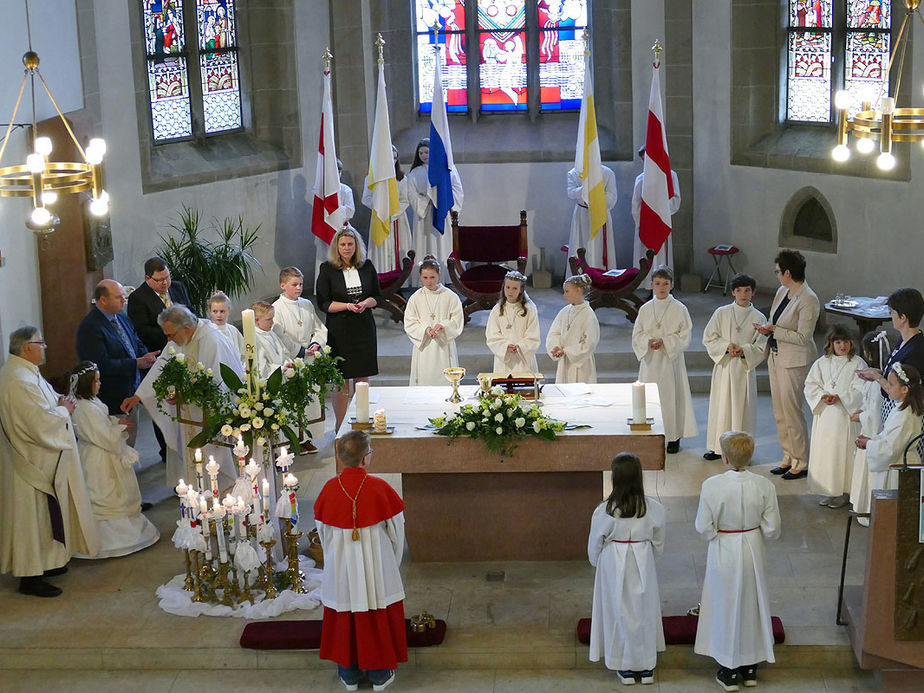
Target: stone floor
(106, 631)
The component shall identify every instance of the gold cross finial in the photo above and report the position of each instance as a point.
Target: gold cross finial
(328, 57)
(586, 36)
(657, 48)
(380, 44)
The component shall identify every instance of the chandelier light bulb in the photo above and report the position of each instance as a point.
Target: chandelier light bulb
(98, 143)
(43, 145)
(865, 145)
(40, 216)
(36, 163)
(94, 156)
(842, 100)
(885, 161)
(99, 206)
(840, 153)
(49, 197)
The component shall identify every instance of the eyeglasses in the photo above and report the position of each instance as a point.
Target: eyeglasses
(39, 343)
(369, 452)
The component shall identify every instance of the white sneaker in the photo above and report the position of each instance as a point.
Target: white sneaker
(349, 686)
(863, 521)
(385, 684)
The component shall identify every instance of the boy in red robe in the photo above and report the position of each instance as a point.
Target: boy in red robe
(360, 521)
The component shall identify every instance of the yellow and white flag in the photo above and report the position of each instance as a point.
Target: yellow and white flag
(382, 181)
(587, 157)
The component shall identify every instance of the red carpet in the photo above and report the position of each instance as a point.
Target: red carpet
(680, 630)
(306, 635)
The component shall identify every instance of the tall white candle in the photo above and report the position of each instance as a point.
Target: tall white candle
(204, 512)
(266, 499)
(639, 413)
(250, 331)
(362, 402)
(218, 512)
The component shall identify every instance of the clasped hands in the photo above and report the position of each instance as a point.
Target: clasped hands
(830, 399)
(655, 343)
(67, 402)
(432, 332)
(557, 352)
(735, 351)
(861, 441)
(359, 307)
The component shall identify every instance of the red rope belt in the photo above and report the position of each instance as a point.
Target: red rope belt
(735, 531)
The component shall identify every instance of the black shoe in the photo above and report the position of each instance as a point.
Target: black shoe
(779, 470)
(673, 447)
(712, 456)
(727, 679)
(35, 586)
(790, 475)
(146, 506)
(55, 571)
(748, 675)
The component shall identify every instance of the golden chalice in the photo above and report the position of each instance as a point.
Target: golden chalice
(454, 375)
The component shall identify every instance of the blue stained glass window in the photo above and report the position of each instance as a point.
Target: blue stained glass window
(449, 17)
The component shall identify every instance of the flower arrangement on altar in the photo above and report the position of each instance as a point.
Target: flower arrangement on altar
(498, 419)
(305, 380)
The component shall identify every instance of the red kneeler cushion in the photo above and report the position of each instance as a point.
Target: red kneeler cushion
(484, 278)
(599, 281)
(680, 630)
(386, 279)
(306, 635)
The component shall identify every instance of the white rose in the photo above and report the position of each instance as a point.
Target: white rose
(180, 357)
(325, 349)
(289, 373)
(498, 417)
(496, 404)
(510, 412)
(497, 390)
(245, 428)
(520, 422)
(258, 422)
(171, 351)
(200, 366)
(261, 441)
(242, 391)
(267, 412)
(537, 426)
(226, 430)
(499, 431)
(316, 388)
(258, 406)
(245, 411)
(235, 412)
(235, 433)
(470, 425)
(299, 362)
(261, 384)
(275, 427)
(209, 372)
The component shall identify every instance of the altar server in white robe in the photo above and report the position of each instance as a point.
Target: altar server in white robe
(903, 423)
(665, 256)
(274, 347)
(296, 316)
(574, 334)
(199, 342)
(512, 331)
(659, 337)
(832, 398)
(737, 511)
(108, 467)
(45, 513)
(737, 349)
(601, 249)
(427, 239)
(387, 256)
(219, 312)
(626, 531)
(869, 418)
(432, 321)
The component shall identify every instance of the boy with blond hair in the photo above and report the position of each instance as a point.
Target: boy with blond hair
(219, 312)
(296, 315)
(737, 510)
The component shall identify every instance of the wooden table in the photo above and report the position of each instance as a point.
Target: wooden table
(868, 318)
(466, 504)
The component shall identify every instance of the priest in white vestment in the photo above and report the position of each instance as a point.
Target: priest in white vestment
(432, 321)
(664, 256)
(601, 249)
(737, 349)
(427, 239)
(659, 337)
(199, 342)
(737, 511)
(45, 515)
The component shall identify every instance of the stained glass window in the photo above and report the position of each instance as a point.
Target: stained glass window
(862, 35)
(502, 52)
(168, 78)
(449, 16)
(561, 53)
(221, 91)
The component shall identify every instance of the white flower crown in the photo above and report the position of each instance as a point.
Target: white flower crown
(900, 372)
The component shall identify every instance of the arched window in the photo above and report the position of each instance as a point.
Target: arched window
(822, 33)
(192, 65)
(515, 53)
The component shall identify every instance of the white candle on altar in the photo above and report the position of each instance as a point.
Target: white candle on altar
(249, 326)
(213, 468)
(362, 403)
(266, 498)
(204, 513)
(181, 490)
(639, 413)
(199, 467)
(219, 512)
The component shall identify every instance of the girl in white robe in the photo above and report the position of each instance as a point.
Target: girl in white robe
(388, 255)
(869, 418)
(832, 398)
(902, 424)
(574, 335)
(737, 510)
(432, 321)
(512, 331)
(427, 239)
(659, 337)
(219, 311)
(108, 467)
(626, 531)
(737, 349)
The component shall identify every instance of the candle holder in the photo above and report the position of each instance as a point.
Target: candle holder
(198, 596)
(189, 583)
(206, 582)
(640, 426)
(224, 584)
(295, 575)
(246, 595)
(269, 587)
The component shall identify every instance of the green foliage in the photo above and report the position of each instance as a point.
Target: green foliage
(305, 380)
(206, 266)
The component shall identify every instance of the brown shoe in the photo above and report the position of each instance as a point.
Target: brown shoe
(308, 448)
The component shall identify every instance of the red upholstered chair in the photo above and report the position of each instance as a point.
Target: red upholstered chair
(481, 284)
(614, 292)
(390, 283)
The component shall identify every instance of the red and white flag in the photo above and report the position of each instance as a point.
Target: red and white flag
(326, 214)
(657, 186)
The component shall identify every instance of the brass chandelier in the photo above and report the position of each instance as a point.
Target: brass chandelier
(41, 178)
(888, 123)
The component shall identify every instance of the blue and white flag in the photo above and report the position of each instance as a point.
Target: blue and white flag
(441, 164)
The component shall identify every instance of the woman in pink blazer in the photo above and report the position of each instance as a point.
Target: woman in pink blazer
(790, 353)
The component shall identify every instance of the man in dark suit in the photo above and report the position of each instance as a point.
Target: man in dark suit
(151, 298)
(106, 337)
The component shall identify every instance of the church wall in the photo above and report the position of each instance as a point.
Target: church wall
(879, 246)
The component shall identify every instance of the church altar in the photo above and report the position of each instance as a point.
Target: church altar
(465, 503)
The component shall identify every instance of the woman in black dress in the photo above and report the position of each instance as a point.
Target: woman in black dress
(347, 290)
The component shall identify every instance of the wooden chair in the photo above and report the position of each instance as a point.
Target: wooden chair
(481, 284)
(614, 292)
(390, 284)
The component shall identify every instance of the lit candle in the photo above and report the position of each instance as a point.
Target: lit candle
(284, 459)
(639, 414)
(181, 490)
(204, 513)
(192, 502)
(199, 468)
(266, 497)
(362, 403)
(212, 468)
(218, 512)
